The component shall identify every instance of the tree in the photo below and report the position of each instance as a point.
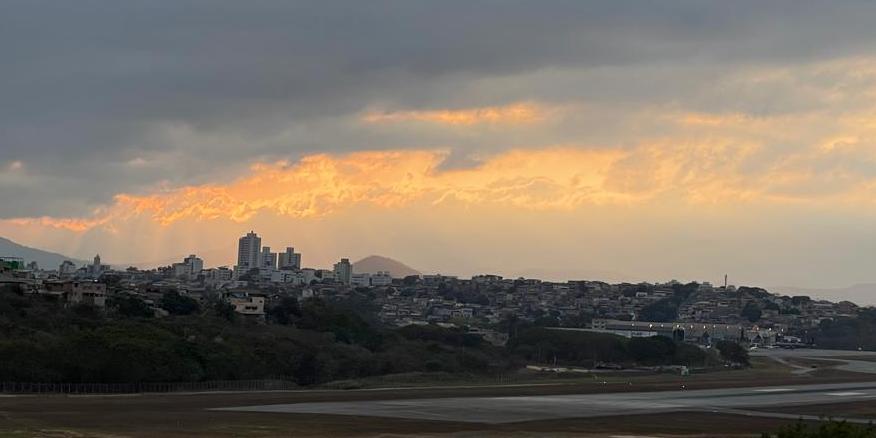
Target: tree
(225, 310)
(751, 311)
(87, 311)
(285, 312)
(733, 352)
(664, 310)
(652, 351)
(691, 355)
(132, 307)
(177, 304)
(582, 319)
(800, 300)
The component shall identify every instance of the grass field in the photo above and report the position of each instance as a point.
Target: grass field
(186, 415)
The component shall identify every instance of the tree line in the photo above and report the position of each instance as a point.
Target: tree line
(309, 342)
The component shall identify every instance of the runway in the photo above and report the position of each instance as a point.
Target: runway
(496, 410)
(852, 361)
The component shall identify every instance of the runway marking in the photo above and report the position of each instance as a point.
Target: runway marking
(845, 394)
(631, 436)
(774, 390)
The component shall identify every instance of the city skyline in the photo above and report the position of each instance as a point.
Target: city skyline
(456, 218)
(595, 141)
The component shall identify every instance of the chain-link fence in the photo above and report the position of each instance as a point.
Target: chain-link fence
(131, 388)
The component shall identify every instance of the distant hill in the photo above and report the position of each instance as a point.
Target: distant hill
(45, 259)
(374, 263)
(861, 294)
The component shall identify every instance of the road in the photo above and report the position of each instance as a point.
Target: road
(497, 410)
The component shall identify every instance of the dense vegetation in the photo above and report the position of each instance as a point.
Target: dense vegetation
(43, 341)
(587, 349)
(310, 342)
(849, 333)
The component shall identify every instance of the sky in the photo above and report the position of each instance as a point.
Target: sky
(614, 140)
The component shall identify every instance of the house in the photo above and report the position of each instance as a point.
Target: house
(246, 303)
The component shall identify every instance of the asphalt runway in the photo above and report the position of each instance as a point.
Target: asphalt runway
(844, 360)
(496, 410)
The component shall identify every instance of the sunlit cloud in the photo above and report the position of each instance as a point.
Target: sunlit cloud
(137, 162)
(556, 178)
(69, 224)
(518, 113)
(319, 185)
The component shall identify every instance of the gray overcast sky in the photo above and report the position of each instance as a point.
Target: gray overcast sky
(682, 105)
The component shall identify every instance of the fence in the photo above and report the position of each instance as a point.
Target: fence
(131, 388)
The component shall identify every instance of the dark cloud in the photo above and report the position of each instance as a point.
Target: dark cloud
(196, 89)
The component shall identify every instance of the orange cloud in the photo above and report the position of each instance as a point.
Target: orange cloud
(319, 185)
(511, 114)
(552, 179)
(70, 224)
(710, 119)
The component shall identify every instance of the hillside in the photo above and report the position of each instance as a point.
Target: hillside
(45, 259)
(374, 263)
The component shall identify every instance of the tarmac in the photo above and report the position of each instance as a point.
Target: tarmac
(497, 410)
(843, 360)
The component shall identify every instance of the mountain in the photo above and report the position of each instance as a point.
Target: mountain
(863, 294)
(374, 263)
(45, 259)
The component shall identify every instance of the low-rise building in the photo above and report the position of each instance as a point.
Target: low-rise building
(247, 304)
(85, 292)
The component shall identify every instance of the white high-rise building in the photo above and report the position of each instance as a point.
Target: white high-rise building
(344, 271)
(290, 260)
(248, 252)
(268, 259)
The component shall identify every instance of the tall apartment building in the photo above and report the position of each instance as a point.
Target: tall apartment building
(344, 271)
(268, 259)
(194, 263)
(248, 248)
(290, 260)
